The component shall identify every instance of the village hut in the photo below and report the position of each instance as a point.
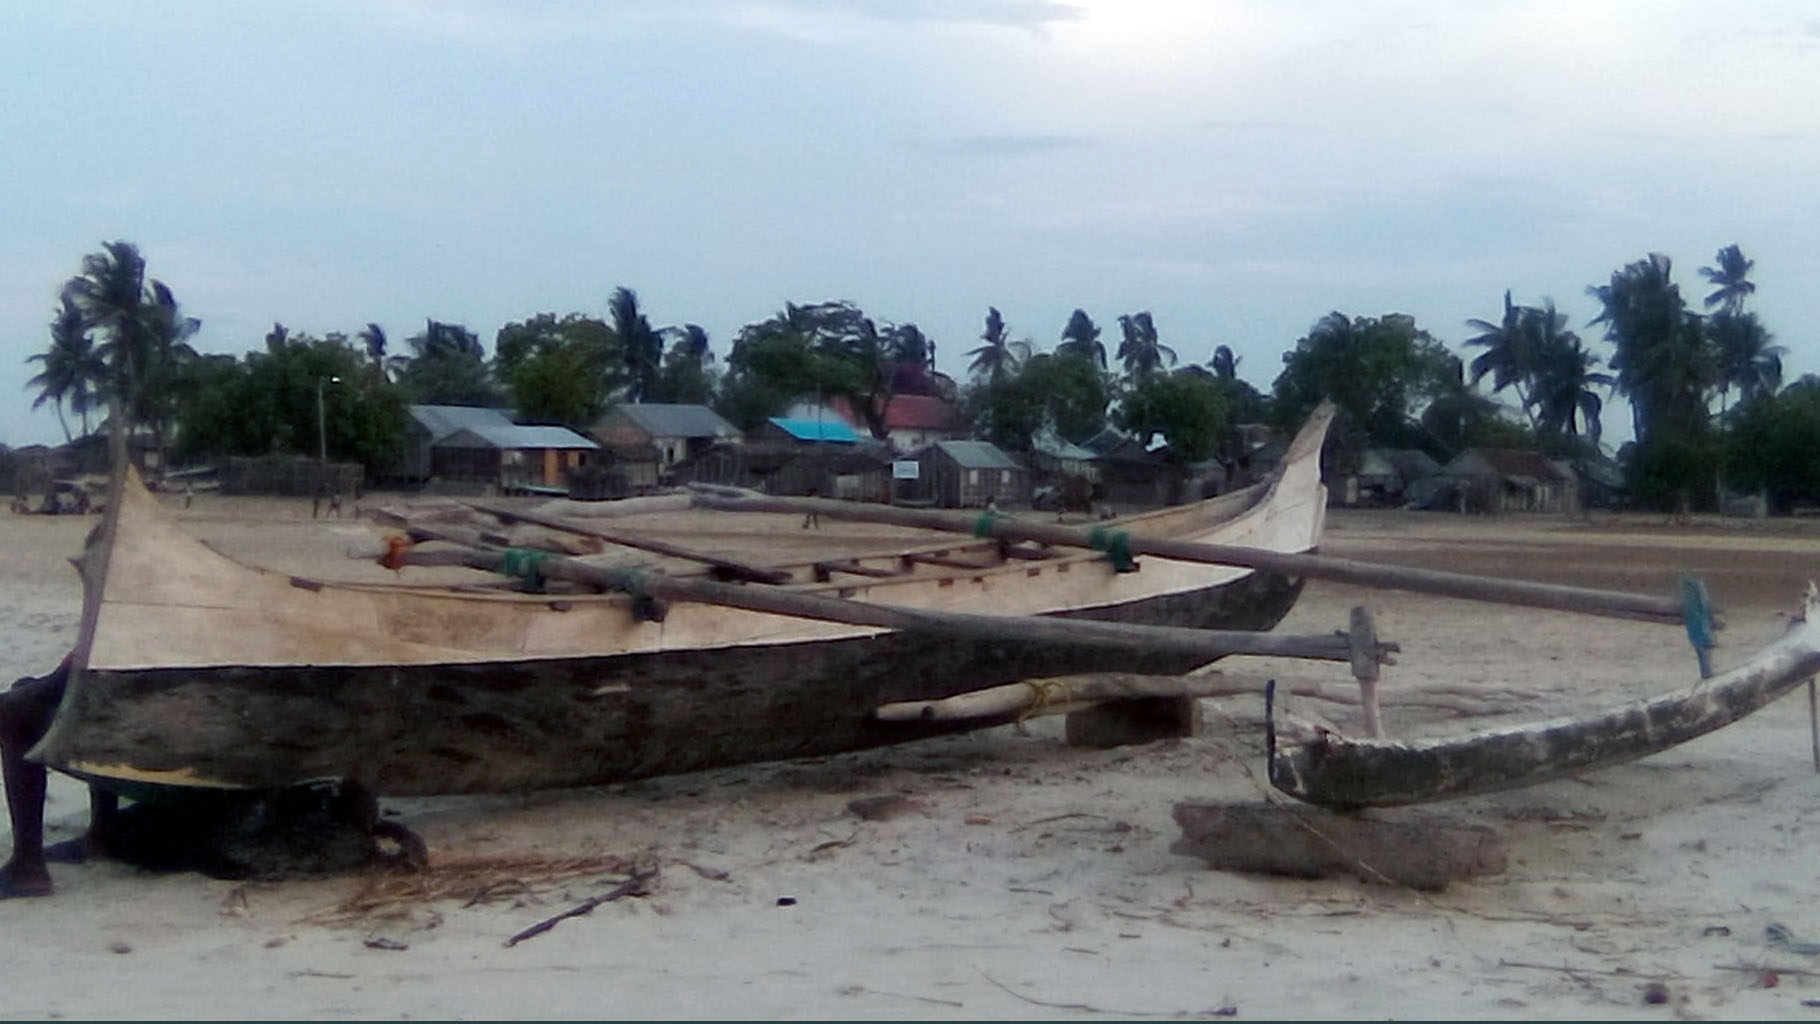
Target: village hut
(674, 431)
(1508, 480)
(968, 474)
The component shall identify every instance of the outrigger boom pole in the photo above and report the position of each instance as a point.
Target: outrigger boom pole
(1609, 603)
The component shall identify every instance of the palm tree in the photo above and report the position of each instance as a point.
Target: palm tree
(447, 365)
(145, 337)
(1564, 377)
(1225, 364)
(998, 355)
(691, 344)
(1745, 356)
(168, 335)
(1081, 338)
(1509, 357)
(1729, 274)
(1662, 361)
(73, 374)
(373, 338)
(1140, 350)
(1458, 415)
(110, 292)
(642, 346)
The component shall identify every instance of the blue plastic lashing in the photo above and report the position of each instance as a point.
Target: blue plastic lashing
(1697, 615)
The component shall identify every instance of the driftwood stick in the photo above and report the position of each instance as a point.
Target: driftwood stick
(1586, 600)
(1056, 695)
(1813, 722)
(634, 886)
(724, 568)
(810, 605)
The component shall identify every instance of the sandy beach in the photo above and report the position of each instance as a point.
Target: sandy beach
(1026, 878)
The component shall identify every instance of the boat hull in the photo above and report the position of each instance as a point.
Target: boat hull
(518, 725)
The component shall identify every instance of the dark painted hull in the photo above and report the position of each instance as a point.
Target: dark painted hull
(520, 725)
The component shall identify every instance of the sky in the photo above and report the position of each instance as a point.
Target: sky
(1239, 169)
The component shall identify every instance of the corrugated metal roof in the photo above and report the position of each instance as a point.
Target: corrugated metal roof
(977, 455)
(513, 437)
(1056, 448)
(443, 420)
(661, 419)
(816, 430)
(1521, 466)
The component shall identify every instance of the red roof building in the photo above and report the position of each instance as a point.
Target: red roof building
(911, 421)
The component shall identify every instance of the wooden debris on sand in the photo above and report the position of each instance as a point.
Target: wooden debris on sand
(472, 880)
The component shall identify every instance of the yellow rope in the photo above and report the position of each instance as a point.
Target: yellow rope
(1044, 694)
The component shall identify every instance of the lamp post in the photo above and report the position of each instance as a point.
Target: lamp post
(322, 444)
(322, 423)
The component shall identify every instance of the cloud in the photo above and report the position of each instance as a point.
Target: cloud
(1014, 145)
(1030, 14)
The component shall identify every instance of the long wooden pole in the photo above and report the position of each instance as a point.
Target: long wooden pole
(725, 568)
(1208, 642)
(1610, 603)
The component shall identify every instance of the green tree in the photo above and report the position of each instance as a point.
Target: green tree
(1186, 408)
(1772, 442)
(773, 363)
(1063, 395)
(266, 403)
(558, 370)
(688, 374)
(818, 351)
(448, 366)
(1379, 373)
(74, 372)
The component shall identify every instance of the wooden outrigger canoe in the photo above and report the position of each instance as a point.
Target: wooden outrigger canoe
(1322, 767)
(193, 669)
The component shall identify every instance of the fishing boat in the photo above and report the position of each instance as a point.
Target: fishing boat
(194, 669)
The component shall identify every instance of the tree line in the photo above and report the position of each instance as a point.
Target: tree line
(1709, 411)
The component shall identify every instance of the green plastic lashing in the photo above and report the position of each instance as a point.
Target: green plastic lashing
(525, 564)
(1116, 544)
(983, 526)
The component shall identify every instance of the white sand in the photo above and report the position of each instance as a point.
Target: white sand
(1032, 880)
